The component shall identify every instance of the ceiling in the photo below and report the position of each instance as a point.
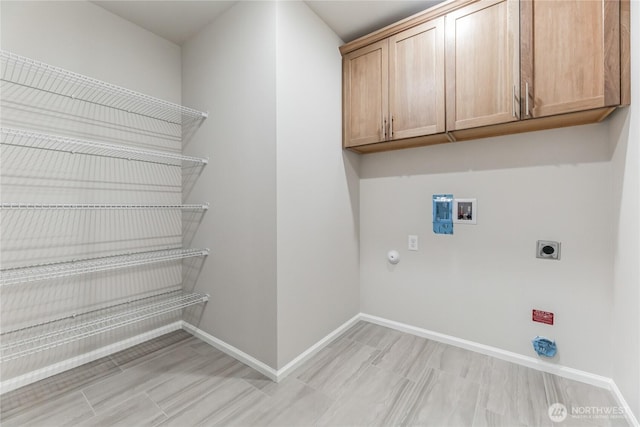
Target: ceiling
(176, 21)
(179, 20)
(351, 19)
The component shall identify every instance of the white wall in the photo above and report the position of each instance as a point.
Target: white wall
(85, 38)
(283, 223)
(229, 70)
(481, 283)
(625, 331)
(82, 37)
(317, 186)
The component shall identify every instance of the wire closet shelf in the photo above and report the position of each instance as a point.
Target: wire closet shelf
(27, 72)
(23, 138)
(27, 344)
(40, 272)
(84, 206)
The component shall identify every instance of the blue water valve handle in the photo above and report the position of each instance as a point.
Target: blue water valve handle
(544, 346)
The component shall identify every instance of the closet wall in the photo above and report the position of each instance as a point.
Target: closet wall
(229, 70)
(318, 186)
(285, 268)
(84, 38)
(624, 136)
(482, 282)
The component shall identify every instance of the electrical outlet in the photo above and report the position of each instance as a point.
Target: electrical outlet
(413, 242)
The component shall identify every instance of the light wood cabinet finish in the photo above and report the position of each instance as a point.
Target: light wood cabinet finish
(483, 69)
(509, 66)
(365, 95)
(394, 88)
(625, 52)
(436, 11)
(570, 56)
(416, 81)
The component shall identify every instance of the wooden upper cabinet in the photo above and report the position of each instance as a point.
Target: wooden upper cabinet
(468, 69)
(365, 95)
(394, 89)
(416, 81)
(570, 56)
(483, 64)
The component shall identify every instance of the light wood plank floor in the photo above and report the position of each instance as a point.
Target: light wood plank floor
(371, 375)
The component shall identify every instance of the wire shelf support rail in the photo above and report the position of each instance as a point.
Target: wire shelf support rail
(81, 206)
(27, 72)
(15, 349)
(23, 138)
(40, 272)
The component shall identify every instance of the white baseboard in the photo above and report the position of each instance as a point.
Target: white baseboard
(266, 370)
(509, 356)
(308, 353)
(622, 402)
(51, 370)
(278, 375)
(530, 362)
(232, 351)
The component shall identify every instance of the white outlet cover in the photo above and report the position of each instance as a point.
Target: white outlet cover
(412, 242)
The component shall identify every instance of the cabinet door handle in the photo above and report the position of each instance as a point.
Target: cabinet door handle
(526, 99)
(384, 129)
(513, 102)
(391, 128)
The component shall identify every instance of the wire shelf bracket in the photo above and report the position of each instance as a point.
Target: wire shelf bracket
(15, 349)
(23, 138)
(36, 273)
(27, 72)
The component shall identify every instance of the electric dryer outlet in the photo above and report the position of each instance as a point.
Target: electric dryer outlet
(548, 249)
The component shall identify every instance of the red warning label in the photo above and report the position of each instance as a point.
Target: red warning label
(542, 316)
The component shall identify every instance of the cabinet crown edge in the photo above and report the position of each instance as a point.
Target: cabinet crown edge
(433, 12)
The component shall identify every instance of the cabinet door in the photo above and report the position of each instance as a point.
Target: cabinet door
(483, 64)
(570, 56)
(416, 81)
(365, 95)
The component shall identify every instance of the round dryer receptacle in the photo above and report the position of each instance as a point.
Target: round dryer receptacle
(549, 250)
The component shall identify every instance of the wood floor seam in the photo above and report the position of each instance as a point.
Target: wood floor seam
(159, 408)
(88, 403)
